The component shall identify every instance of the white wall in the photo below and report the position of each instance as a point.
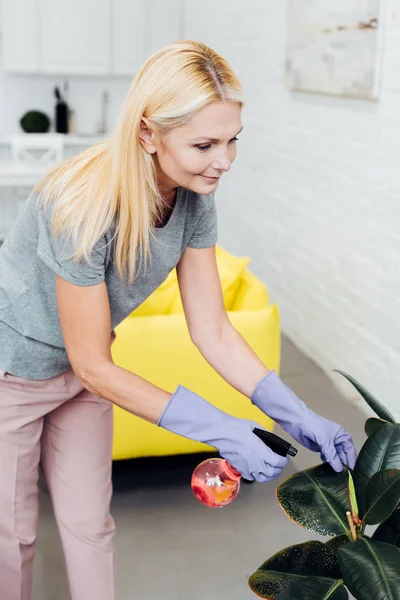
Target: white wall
(314, 195)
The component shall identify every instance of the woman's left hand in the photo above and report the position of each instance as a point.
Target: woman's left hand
(316, 433)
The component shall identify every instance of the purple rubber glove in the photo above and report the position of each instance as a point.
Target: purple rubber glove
(187, 414)
(314, 432)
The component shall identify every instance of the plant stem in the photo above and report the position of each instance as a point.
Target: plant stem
(352, 526)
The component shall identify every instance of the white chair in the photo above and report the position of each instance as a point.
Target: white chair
(37, 149)
(32, 155)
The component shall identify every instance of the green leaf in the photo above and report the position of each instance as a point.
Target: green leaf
(389, 531)
(371, 570)
(317, 499)
(292, 564)
(380, 451)
(352, 496)
(382, 496)
(376, 406)
(337, 542)
(315, 588)
(372, 424)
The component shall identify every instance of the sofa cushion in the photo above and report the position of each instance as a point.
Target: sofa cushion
(230, 270)
(159, 302)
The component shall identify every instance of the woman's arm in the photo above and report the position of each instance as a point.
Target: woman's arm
(86, 324)
(230, 355)
(223, 347)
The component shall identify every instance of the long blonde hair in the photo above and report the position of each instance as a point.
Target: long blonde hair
(115, 180)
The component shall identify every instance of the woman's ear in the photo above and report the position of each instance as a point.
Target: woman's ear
(146, 136)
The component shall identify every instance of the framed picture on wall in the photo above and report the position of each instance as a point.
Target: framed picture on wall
(333, 46)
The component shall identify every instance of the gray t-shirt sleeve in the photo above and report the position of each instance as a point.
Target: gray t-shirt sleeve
(206, 233)
(54, 251)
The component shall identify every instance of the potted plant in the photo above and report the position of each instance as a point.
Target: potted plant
(342, 506)
(35, 121)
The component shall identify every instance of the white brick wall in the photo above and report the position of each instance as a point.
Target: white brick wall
(314, 196)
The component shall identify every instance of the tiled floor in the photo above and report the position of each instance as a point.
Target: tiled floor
(170, 547)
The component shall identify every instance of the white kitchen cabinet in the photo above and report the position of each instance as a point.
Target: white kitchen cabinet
(164, 24)
(74, 36)
(128, 22)
(139, 28)
(57, 37)
(20, 34)
(87, 37)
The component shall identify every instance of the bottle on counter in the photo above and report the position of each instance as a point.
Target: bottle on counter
(61, 113)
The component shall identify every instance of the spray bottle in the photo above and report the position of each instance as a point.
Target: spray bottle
(215, 483)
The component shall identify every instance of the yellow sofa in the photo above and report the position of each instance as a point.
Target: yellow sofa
(154, 343)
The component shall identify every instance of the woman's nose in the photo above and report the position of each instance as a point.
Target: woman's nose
(222, 163)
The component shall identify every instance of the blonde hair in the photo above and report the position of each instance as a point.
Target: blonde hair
(116, 178)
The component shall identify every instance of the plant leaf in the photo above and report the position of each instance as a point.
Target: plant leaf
(372, 424)
(317, 499)
(292, 564)
(315, 588)
(352, 496)
(376, 406)
(389, 531)
(371, 570)
(336, 542)
(382, 496)
(380, 451)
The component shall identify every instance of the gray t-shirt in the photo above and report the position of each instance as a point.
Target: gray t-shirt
(31, 340)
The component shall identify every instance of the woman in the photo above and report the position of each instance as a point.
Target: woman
(98, 235)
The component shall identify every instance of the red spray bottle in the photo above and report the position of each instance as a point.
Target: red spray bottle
(215, 483)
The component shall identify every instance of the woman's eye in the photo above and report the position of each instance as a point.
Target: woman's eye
(205, 147)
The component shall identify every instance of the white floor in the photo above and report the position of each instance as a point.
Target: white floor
(170, 547)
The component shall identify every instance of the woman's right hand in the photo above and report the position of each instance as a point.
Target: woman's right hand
(191, 416)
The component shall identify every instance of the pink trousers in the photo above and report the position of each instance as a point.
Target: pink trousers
(58, 423)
